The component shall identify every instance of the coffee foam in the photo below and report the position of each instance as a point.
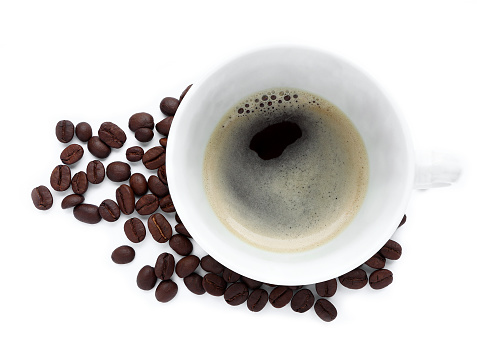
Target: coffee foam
(299, 200)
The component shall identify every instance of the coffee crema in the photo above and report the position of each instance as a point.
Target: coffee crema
(285, 170)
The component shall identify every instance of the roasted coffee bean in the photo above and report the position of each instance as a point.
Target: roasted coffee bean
(164, 266)
(98, 148)
(176, 216)
(180, 228)
(185, 91)
(209, 264)
(157, 187)
(164, 126)
(280, 296)
(144, 134)
(80, 183)
(251, 283)
(83, 131)
(160, 228)
(377, 261)
(60, 178)
(42, 198)
(391, 250)
(123, 255)
(230, 276)
(166, 204)
(126, 199)
(214, 284)
(154, 158)
(380, 279)
(87, 213)
(64, 131)
(295, 287)
(141, 120)
(325, 310)
(161, 173)
(327, 288)
(71, 201)
(403, 220)
(181, 244)
(146, 278)
(95, 172)
(112, 135)
(166, 291)
(71, 154)
(134, 154)
(134, 230)
(109, 210)
(194, 283)
(236, 294)
(163, 142)
(257, 300)
(355, 279)
(187, 265)
(302, 301)
(138, 183)
(147, 204)
(169, 106)
(118, 171)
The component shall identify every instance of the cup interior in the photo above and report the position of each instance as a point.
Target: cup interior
(385, 135)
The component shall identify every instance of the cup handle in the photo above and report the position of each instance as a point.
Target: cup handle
(436, 169)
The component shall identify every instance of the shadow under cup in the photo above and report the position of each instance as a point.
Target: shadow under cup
(385, 135)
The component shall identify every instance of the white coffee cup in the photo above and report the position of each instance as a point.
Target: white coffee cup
(393, 170)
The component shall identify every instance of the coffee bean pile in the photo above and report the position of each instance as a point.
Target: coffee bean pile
(217, 280)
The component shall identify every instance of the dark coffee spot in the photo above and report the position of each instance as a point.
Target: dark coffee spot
(270, 142)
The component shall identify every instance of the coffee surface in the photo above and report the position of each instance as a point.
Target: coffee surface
(285, 170)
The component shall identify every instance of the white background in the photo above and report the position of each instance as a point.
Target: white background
(99, 61)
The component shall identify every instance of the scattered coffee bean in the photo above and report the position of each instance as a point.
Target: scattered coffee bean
(181, 244)
(95, 172)
(325, 310)
(257, 300)
(194, 283)
(118, 171)
(60, 178)
(134, 230)
(355, 279)
(187, 265)
(157, 187)
(377, 261)
(161, 173)
(280, 296)
(302, 301)
(147, 204)
(80, 183)
(42, 198)
(64, 131)
(403, 220)
(163, 142)
(180, 228)
(214, 284)
(169, 106)
(176, 216)
(112, 135)
(160, 228)
(166, 291)
(164, 266)
(71, 154)
(251, 283)
(98, 148)
(109, 210)
(185, 91)
(391, 250)
(209, 264)
(146, 278)
(154, 158)
(294, 287)
(138, 183)
(123, 255)
(230, 276)
(141, 120)
(164, 126)
(144, 134)
(236, 294)
(166, 204)
(380, 278)
(327, 288)
(87, 213)
(126, 199)
(71, 201)
(134, 154)
(83, 131)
